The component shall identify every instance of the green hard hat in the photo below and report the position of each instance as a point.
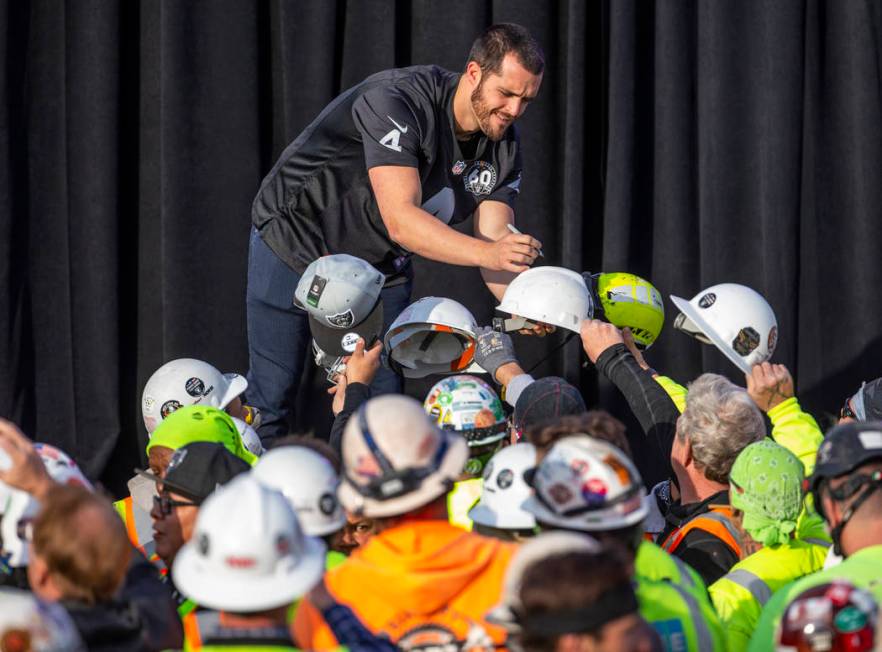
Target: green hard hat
(193, 423)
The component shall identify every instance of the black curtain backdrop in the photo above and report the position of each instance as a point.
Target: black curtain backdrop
(688, 142)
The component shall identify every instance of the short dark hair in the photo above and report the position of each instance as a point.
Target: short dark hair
(565, 582)
(599, 424)
(490, 48)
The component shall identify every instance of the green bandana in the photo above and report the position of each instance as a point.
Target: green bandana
(766, 485)
(200, 423)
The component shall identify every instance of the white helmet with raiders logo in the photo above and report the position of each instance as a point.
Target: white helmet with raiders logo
(588, 485)
(505, 489)
(309, 482)
(187, 381)
(434, 335)
(734, 318)
(547, 295)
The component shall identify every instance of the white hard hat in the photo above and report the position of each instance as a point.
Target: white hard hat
(309, 483)
(396, 459)
(586, 484)
(186, 381)
(38, 626)
(249, 437)
(734, 318)
(16, 505)
(434, 335)
(549, 295)
(247, 552)
(469, 406)
(505, 490)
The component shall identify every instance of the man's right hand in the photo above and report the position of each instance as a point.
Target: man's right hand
(598, 336)
(362, 366)
(769, 385)
(514, 252)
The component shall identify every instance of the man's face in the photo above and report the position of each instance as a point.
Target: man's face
(355, 533)
(172, 531)
(500, 99)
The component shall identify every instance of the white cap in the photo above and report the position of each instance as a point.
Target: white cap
(734, 318)
(434, 335)
(395, 459)
(586, 484)
(250, 438)
(505, 490)
(187, 381)
(45, 626)
(309, 483)
(549, 295)
(247, 552)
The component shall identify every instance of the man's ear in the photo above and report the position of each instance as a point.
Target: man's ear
(473, 73)
(687, 452)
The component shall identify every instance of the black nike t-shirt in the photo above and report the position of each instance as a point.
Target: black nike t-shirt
(317, 199)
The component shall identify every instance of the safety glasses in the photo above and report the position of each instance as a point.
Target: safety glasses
(166, 505)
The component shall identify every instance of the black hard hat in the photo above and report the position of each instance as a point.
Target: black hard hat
(845, 448)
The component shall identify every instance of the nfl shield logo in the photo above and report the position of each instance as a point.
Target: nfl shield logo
(458, 167)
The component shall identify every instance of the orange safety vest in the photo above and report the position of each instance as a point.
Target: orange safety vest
(716, 521)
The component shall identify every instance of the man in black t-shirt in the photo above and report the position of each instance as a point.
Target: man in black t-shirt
(381, 174)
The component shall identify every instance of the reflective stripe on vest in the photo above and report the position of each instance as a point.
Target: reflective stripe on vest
(753, 583)
(715, 522)
(200, 626)
(702, 631)
(817, 542)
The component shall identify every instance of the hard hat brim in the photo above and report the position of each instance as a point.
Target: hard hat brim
(519, 520)
(693, 315)
(236, 387)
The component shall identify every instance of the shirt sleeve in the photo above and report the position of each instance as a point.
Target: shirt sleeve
(390, 129)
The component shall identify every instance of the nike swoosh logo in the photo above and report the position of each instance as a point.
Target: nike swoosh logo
(400, 128)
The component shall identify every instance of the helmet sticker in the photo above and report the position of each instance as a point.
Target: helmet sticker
(203, 544)
(474, 466)
(594, 492)
(348, 342)
(149, 402)
(327, 504)
(315, 290)
(505, 478)
(196, 388)
(746, 341)
(773, 338)
(341, 319)
(488, 470)
(560, 493)
(707, 300)
(168, 407)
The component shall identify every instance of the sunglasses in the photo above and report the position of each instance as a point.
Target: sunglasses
(166, 505)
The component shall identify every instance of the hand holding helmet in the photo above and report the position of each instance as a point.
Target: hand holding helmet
(598, 336)
(769, 385)
(493, 350)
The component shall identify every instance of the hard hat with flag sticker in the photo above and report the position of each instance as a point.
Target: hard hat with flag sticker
(187, 381)
(547, 295)
(628, 301)
(734, 318)
(587, 484)
(434, 335)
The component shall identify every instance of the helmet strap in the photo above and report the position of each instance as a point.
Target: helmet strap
(869, 484)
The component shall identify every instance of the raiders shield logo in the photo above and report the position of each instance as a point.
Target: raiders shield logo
(746, 341)
(341, 319)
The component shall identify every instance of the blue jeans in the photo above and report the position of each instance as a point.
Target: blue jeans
(279, 338)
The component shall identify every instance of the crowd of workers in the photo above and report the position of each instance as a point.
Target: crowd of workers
(500, 513)
(467, 522)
